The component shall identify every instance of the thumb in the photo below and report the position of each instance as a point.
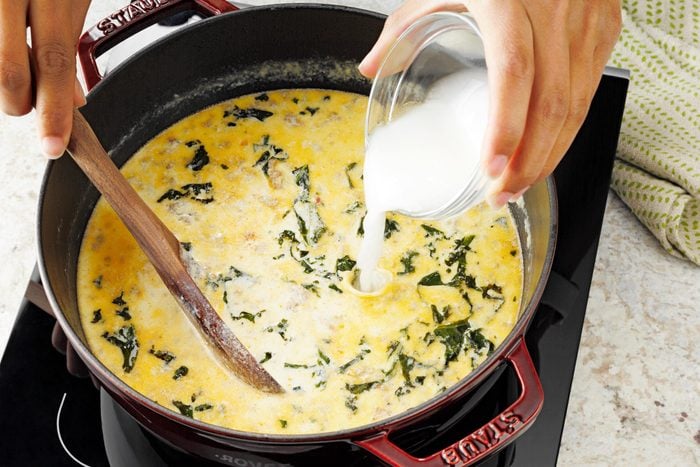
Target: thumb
(397, 23)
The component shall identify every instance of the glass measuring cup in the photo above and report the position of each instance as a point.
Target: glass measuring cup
(434, 49)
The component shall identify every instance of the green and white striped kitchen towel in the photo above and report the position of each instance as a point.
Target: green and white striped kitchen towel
(657, 173)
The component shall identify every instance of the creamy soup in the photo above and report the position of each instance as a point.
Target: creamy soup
(265, 193)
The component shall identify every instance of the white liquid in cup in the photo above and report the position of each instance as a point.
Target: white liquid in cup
(422, 160)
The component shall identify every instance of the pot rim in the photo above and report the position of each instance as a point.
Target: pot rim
(391, 423)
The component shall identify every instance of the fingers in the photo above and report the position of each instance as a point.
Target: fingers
(549, 101)
(508, 45)
(397, 23)
(582, 85)
(54, 69)
(15, 77)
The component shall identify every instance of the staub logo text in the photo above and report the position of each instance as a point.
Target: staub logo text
(482, 440)
(127, 14)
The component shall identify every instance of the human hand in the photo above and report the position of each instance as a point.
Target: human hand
(545, 59)
(43, 75)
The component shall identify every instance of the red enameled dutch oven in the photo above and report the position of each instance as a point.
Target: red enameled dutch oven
(230, 53)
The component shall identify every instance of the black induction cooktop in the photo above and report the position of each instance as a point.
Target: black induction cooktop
(48, 417)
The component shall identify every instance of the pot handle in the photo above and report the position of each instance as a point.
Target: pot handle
(491, 437)
(131, 19)
(36, 295)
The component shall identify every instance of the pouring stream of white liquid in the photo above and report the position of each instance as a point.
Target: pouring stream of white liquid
(421, 160)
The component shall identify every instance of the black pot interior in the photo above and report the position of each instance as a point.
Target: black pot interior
(252, 50)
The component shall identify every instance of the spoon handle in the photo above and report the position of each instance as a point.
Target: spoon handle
(163, 251)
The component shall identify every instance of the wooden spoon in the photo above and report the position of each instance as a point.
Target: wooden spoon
(163, 251)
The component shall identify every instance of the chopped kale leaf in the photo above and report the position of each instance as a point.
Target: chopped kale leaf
(171, 194)
(119, 301)
(180, 372)
(311, 226)
(125, 339)
(184, 409)
(390, 226)
(238, 113)
(431, 279)
(199, 191)
(361, 387)
(297, 365)
(361, 228)
(458, 336)
(348, 168)
(301, 178)
(470, 282)
(287, 235)
(353, 207)
(433, 232)
(187, 246)
(96, 316)
(268, 356)
(453, 336)
(335, 287)
(360, 356)
(98, 282)
(124, 313)
(313, 288)
(280, 328)
(220, 279)
(307, 267)
(200, 158)
(345, 264)
(440, 316)
(323, 358)
(262, 97)
(248, 316)
(351, 403)
(195, 191)
(270, 153)
(203, 407)
(480, 342)
(283, 423)
(492, 291)
(407, 262)
(407, 363)
(391, 348)
(164, 355)
(458, 255)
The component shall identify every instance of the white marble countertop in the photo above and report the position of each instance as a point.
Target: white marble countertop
(635, 393)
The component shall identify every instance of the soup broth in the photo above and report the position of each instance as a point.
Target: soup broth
(265, 193)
